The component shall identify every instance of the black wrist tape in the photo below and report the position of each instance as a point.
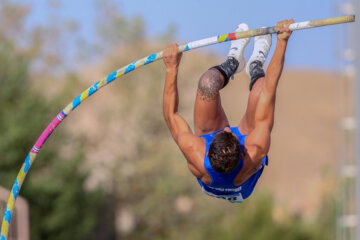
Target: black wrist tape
(227, 69)
(256, 72)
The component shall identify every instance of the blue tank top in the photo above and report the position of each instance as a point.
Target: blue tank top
(222, 185)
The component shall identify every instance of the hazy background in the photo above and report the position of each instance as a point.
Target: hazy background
(112, 170)
(193, 20)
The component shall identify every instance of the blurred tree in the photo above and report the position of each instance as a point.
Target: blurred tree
(254, 220)
(60, 207)
(114, 28)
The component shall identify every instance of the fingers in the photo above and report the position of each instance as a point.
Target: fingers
(283, 26)
(171, 55)
(171, 50)
(287, 24)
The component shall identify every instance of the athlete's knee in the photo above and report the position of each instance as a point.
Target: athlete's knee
(210, 83)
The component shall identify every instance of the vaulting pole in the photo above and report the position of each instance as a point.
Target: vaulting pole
(124, 70)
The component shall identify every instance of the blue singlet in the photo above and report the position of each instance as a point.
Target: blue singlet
(222, 185)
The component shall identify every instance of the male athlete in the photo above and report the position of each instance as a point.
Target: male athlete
(228, 161)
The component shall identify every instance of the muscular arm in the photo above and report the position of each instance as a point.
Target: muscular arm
(180, 130)
(265, 109)
(174, 121)
(259, 139)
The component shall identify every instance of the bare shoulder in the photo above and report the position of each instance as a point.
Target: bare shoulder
(257, 145)
(193, 148)
(253, 158)
(188, 140)
(191, 145)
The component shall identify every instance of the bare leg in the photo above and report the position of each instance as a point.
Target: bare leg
(255, 71)
(209, 116)
(247, 123)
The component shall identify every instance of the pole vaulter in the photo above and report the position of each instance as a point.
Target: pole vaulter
(124, 70)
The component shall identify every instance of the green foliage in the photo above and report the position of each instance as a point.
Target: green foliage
(115, 28)
(67, 211)
(21, 113)
(254, 220)
(60, 207)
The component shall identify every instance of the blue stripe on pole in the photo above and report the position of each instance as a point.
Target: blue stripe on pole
(150, 58)
(16, 189)
(130, 67)
(111, 77)
(93, 88)
(27, 163)
(76, 102)
(7, 216)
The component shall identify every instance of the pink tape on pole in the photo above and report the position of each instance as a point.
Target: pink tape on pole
(47, 132)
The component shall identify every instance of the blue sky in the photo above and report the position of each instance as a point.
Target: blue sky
(197, 19)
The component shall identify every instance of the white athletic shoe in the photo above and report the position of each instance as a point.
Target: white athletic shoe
(238, 46)
(262, 46)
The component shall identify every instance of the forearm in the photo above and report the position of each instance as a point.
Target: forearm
(176, 124)
(258, 141)
(266, 104)
(275, 68)
(171, 96)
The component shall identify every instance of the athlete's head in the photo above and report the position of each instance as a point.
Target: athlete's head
(224, 152)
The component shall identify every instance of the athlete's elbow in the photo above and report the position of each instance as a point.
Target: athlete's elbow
(262, 153)
(169, 112)
(257, 153)
(168, 117)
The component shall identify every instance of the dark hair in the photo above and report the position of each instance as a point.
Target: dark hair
(224, 152)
